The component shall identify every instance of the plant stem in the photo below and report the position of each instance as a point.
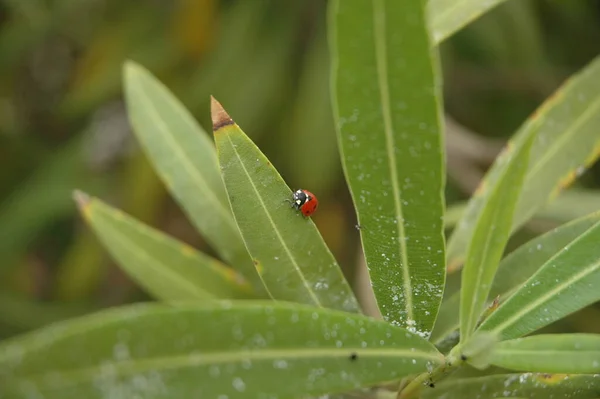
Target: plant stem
(452, 363)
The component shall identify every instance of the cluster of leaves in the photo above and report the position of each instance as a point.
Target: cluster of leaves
(274, 317)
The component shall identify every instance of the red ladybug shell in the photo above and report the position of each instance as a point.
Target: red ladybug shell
(311, 204)
(305, 202)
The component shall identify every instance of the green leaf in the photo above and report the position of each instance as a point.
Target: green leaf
(566, 143)
(185, 159)
(528, 385)
(231, 349)
(168, 269)
(557, 353)
(446, 17)
(571, 204)
(492, 230)
(478, 349)
(388, 112)
(566, 283)
(453, 214)
(287, 249)
(514, 270)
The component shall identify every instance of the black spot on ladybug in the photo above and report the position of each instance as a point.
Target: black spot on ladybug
(353, 356)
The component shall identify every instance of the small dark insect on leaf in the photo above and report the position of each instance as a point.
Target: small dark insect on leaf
(431, 385)
(463, 358)
(353, 356)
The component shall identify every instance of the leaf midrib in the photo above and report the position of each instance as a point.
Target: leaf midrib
(150, 262)
(195, 360)
(558, 144)
(215, 266)
(274, 227)
(480, 269)
(549, 294)
(179, 154)
(379, 29)
(546, 352)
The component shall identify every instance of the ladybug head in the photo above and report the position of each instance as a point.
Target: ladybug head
(300, 198)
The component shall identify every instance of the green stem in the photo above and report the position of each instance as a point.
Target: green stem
(429, 378)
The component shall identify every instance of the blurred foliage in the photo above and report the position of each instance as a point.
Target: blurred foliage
(63, 124)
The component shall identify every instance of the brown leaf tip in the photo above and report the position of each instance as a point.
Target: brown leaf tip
(220, 118)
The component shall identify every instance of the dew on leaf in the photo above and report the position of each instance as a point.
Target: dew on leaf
(239, 384)
(214, 371)
(280, 364)
(121, 352)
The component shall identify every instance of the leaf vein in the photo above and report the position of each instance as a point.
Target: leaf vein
(536, 303)
(559, 144)
(275, 229)
(381, 60)
(135, 366)
(183, 158)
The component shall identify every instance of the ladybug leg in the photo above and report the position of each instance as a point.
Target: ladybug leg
(290, 202)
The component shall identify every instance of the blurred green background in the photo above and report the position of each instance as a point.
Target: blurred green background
(63, 124)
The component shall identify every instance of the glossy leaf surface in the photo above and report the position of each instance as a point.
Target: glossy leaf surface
(528, 385)
(566, 143)
(491, 234)
(566, 283)
(287, 249)
(514, 270)
(185, 159)
(387, 107)
(234, 350)
(448, 16)
(555, 353)
(167, 268)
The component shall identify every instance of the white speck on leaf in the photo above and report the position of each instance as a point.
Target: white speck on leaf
(239, 384)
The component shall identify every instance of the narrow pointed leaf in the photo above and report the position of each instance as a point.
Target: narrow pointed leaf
(557, 353)
(449, 16)
(571, 204)
(566, 143)
(185, 159)
(528, 385)
(233, 349)
(491, 234)
(566, 283)
(387, 108)
(287, 249)
(514, 270)
(166, 268)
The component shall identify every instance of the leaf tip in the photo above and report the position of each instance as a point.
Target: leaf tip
(220, 118)
(83, 202)
(130, 68)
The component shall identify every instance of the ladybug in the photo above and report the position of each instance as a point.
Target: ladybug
(305, 202)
